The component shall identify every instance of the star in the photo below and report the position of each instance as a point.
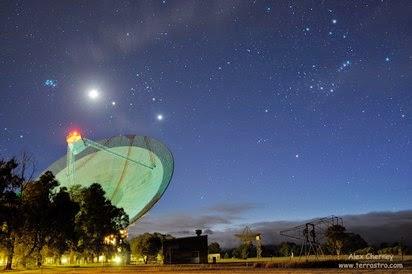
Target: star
(344, 65)
(113, 103)
(159, 117)
(297, 156)
(387, 59)
(334, 21)
(50, 83)
(261, 140)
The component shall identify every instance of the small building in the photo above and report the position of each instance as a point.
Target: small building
(214, 257)
(187, 250)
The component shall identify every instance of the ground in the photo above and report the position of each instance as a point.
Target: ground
(191, 270)
(328, 264)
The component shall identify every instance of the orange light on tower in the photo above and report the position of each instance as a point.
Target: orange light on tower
(73, 137)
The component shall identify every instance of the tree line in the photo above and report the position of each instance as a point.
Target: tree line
(337, 241)
(148, 246)
(39, 219)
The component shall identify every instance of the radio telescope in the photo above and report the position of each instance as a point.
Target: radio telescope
(134, 171)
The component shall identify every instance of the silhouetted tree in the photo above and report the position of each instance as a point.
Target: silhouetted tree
(10, 207)
(336, 238)
(353, 242)
(288, 248)
(97, 219)
(244, 251)
(214, 247)
(38, 218)
(37, 227)
(63, 212)
(146, 246)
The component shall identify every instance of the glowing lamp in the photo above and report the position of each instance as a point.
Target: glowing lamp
(73, 137)
(64, 260)
(117, 259)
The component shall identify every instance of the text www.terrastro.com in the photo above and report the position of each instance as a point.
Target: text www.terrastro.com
(371, 265)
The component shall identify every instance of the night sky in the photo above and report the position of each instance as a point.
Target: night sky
(293, 109)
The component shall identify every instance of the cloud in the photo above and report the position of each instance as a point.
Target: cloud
(137, 27)
(374, 227)
(178, 224)
(377, 227)
(184, 224)
(232, 209)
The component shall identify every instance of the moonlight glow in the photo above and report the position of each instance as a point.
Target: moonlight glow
(93, 94)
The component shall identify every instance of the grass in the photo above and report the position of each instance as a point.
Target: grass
(187, 270)
(300, 259)
(225, 266)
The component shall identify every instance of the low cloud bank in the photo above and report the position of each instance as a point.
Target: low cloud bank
(374, 227)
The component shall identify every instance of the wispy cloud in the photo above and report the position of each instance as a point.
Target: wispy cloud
(138, 26)
(232, 209)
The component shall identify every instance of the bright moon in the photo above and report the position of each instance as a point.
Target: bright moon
(93, 94)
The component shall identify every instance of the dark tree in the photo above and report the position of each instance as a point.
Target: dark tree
(146, 246)
(10, 207)
(63, 213)
(214, 247)
(37, 217)
(97, 219)
(244, 251)
(288, 248)
(37, 211)
(336, 238)
(353, 242)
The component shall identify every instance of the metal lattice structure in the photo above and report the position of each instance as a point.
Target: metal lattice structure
(249, 237)
(134, 171)
(312, 234)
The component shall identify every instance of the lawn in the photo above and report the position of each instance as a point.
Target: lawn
(328, 264)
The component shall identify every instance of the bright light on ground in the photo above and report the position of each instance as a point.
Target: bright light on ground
(117, 259)
(64, 260)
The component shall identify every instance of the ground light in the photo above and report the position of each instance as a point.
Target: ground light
(117, 259)
(64, 260)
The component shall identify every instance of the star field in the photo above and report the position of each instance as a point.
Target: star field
(302, 107)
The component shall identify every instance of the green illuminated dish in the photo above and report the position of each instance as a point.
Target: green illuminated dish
(133, 170)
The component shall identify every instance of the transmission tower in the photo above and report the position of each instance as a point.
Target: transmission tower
(249, 237)
(311, 235)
